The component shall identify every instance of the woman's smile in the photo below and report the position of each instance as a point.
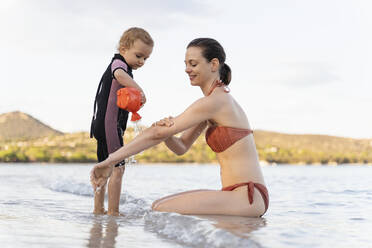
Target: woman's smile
(192, 77)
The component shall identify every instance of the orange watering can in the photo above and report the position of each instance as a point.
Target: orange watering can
(130, 100)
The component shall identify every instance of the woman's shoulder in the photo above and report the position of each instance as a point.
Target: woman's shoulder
(221, 97)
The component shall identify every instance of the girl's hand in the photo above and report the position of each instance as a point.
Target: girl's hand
(143, 99)
(165, 122)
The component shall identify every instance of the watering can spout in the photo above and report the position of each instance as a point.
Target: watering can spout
(135, 117)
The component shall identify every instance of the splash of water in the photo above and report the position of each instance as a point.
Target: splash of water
(138, 128)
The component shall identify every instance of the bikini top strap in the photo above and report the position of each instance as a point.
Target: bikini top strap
(219, 84)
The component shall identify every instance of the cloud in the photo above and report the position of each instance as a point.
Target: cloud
(85, 25)
(303, 74)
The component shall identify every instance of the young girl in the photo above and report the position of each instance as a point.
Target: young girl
(229, 134)
(109, 122)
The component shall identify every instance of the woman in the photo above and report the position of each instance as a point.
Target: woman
(229, 135)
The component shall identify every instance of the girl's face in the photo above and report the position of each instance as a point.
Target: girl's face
(137, 54)
(199, 70)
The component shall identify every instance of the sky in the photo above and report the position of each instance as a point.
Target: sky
(298, 67)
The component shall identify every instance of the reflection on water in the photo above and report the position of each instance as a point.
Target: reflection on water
(103, 233)
(237, 225)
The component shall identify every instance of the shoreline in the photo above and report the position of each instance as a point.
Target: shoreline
(262, 163)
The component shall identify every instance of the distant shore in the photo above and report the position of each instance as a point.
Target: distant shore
(262, 163)
(273, 148)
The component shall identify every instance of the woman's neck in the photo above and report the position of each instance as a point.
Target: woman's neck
(207, 88)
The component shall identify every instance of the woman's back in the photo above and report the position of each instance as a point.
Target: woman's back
(239, 161)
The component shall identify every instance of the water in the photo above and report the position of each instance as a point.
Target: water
(138, 128)
(310, 206)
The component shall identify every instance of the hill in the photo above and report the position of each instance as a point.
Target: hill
(20, 126)
(311, 148)
(312, 142)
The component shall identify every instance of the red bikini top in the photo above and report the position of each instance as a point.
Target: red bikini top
(220, 138)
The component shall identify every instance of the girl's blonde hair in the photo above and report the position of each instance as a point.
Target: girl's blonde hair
(132, 34)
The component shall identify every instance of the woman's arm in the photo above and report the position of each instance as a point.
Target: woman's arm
(180, 145)
(199, 112)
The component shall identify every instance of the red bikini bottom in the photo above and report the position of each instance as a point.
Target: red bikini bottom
(251, 185)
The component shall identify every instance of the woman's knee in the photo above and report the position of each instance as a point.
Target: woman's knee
(154, 206)
(158, 206)
(161, 204)
(156, 203)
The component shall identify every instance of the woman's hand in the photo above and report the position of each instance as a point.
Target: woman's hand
(165, 122)
(99, 176)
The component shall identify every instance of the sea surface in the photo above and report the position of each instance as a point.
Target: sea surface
(43, 205)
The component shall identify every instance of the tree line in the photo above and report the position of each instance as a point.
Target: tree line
(79, 148)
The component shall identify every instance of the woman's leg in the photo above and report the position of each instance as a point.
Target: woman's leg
(213, 202)
(114, 190)
(170, 196)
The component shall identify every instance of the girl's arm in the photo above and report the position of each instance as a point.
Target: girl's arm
(124, 79)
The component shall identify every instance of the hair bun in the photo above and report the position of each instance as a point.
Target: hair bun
(225, 74)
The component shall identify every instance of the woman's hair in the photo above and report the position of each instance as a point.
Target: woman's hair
(132, 34)
(212, 49)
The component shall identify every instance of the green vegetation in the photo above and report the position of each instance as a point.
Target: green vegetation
(272, 147)
(75, 147)
(312, 149)
(78, 147)
(26, 139)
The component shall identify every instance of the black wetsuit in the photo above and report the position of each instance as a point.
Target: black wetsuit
(109, 121)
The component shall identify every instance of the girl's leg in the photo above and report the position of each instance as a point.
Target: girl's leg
(213, 202)
(114, 190)
(99, 198)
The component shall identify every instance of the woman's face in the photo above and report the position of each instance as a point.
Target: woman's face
(199, 70)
